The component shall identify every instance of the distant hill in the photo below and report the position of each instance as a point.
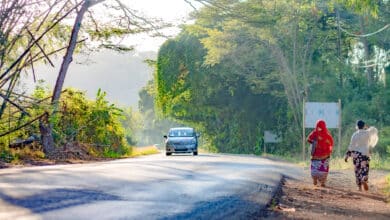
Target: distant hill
(121, 75)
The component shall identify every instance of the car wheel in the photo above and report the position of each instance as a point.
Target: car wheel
(168, 154)
(195, 153)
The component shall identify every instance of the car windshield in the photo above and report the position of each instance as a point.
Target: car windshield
(181, 133)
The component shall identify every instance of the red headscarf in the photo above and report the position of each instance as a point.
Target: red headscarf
(324, 140)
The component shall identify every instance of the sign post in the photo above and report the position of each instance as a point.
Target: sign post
(330, 112)
(303, 131)
(270, 137)
(339, 144)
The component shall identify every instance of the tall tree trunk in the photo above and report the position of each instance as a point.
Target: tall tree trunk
(366, 46)
(338, 46)
(46, 135)
(44, 125)
(69, 53)
(289, 81)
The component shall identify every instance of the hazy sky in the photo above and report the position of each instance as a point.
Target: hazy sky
(170, 10)
(174, 11)
(121, 75)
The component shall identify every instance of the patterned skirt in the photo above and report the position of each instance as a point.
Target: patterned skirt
(320, 168)
(362, 166)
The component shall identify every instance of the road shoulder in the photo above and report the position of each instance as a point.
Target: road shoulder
(299, 199)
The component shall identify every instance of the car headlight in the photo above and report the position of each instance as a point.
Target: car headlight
(193, 141)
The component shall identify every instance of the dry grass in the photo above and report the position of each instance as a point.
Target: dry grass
(147, 150)
(338, 163)
(386, 189)
(203, 151)
(25, 154)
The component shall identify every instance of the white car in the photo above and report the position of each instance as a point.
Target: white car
(181, 140)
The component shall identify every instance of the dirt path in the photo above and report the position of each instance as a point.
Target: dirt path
(299, 199)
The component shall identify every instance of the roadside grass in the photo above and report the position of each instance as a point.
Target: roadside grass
(140, 151)
(379, 163)
(17, 156)
(203, 151)
(338, 163)
(285, 158)
(386, 190)
(376, 162)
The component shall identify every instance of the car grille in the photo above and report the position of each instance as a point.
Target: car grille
(183, 145)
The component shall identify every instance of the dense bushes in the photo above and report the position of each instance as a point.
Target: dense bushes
(234, 78)
(93, 123)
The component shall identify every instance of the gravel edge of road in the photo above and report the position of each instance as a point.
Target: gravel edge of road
(275, 199)
(281, 206)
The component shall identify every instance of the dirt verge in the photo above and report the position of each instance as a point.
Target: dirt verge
(340, 199)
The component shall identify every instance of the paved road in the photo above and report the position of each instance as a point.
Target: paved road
(208, 186)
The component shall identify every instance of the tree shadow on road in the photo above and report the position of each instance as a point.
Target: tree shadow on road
(50, 200)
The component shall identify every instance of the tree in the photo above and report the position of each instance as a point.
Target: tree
(280, 49)
(218, 100)
(41, 20)
(154, 126)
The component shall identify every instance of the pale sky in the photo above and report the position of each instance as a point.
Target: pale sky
(120, 75)
(167, 9)
(174, 11)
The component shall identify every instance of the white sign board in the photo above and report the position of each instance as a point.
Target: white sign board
(327, 111)
(270, 137)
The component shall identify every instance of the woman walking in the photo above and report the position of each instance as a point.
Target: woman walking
(359, 149)
(323, 142)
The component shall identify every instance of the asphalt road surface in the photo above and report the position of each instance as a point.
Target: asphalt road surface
(208, 186)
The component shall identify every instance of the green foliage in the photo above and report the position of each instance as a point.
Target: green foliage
(215, 99)
(153, 126)
(131, 122)
(363, 6)
(383, 146)
(6, 155)
(96, 123)
(112, 153)
(93, 122)
(244, 66)
(103, 126)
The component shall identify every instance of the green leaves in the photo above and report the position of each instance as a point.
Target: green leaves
(362, 6)
(243, 64)
(217, 99)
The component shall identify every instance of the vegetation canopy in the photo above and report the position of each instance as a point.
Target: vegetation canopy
(245, 67)
(33, 32)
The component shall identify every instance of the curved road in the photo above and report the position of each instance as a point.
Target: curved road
(208, 186)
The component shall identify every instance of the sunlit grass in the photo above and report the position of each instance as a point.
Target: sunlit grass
(338, 163)
(386, 190)
(285, 158)
(377, 162)
(140, 151)
(17, 156)
(203, 151)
